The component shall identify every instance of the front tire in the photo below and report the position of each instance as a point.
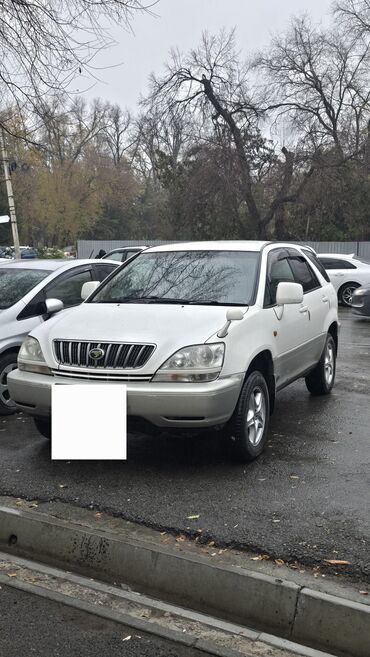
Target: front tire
(8, 363)
(43, 425)
(321, 380)
(249, 425)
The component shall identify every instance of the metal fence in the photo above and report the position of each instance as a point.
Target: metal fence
(90, 248)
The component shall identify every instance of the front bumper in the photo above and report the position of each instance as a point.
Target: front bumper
(162, 404)
(361, 302)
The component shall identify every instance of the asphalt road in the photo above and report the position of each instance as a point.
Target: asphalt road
(306, 498)
(31, 625)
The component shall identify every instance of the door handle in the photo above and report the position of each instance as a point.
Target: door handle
(303, 309)
(325, 299)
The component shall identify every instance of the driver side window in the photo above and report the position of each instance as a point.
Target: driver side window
(278, 271)
(67, 288)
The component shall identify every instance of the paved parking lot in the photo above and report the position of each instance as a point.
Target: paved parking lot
(306, 498)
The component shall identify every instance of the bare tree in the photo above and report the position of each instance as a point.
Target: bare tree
(45, 45)
(354, 14)
(116, 134)
(212, 82)
(318, 82)
(157, 135)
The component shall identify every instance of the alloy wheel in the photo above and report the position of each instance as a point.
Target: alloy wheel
(4, 391)
(256, 416)
(329, 364)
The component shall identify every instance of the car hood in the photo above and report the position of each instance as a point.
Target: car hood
(169, 327)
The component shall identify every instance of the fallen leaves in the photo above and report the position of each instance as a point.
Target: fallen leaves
(181, 538)
(261, 557)
(195, 517)
(337, 562)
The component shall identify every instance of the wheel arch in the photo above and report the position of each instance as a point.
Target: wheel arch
(263, 362)
(334, 330)
(14, 349)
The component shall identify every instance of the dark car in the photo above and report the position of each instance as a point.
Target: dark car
(361, 301)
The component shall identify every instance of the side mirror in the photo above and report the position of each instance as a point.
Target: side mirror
(88, 288)
(289, 293)
(234, 315)
(53, 306)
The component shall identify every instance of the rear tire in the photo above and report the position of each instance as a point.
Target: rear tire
(345, 293)
(249, 426)
(43, 425)
(8, 363)
(321, 380)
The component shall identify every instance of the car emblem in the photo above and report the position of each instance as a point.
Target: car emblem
(96, 354)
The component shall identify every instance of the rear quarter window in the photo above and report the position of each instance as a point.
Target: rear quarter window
(319, 265)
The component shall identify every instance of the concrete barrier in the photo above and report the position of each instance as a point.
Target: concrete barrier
(332, 622)
(250, 598)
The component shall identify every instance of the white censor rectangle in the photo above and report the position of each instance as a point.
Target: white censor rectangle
(89, 422)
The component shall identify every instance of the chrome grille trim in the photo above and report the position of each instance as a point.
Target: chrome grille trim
(118, 356)
(101, 376)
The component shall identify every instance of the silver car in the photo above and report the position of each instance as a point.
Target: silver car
(27, 287)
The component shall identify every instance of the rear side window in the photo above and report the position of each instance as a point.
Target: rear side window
(335, 263)
(302, 271)
(118, 255)
(318, 264)
(102, 271)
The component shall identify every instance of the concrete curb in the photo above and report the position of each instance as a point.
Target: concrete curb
(259, 601)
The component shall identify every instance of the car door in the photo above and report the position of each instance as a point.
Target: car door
(315, 307)
(289, 324)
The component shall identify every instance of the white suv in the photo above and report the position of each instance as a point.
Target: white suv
(203, 334)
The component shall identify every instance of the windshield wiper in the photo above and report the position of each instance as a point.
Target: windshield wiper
(149, 299)
(165, 300)
(216, 303)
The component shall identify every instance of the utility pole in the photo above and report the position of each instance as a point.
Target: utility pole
(9, 190)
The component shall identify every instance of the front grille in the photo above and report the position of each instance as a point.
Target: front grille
(117, 356)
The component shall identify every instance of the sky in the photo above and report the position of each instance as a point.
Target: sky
(124, 69)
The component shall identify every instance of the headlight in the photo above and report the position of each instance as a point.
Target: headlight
(31, 358)
(198, 363)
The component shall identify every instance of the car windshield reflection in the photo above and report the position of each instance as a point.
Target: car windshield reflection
(184, 277)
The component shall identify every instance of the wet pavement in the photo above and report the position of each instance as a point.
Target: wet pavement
(50, 629)
(307, 498)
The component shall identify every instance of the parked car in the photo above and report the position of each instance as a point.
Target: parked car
(124, 253)
(346, 272)
(361, 301)
(27, 252)
(26, 289)
(203, 334)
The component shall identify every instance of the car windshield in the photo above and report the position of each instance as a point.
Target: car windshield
(15, 283)
(203, 277)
